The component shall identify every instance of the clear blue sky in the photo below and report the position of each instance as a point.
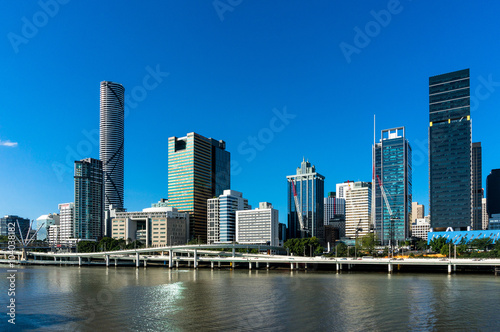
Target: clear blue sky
(228, 68)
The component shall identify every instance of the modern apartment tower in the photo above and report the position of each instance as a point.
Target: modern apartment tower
(198, 169)
(493, 192)
(67, 223)
(221, 215)
(393, 170)
(111, 145)
(450, 151)
(89, 199)
(358, 206)
(477, 187)
(309, 187)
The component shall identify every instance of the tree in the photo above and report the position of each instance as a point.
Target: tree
(421, 245)
(341, 249)
(368, 242)
(302, 247)
(86, 246)
(438, 243)
(445, 250)
(481, 244)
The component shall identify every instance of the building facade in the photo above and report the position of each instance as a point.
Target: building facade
(393, 170)
(44, 222)
(309, 187)
(450, 151)
(358, 210)
(484, 224)
(493, 192)
(420, 227)
(89, 199)
(477, 186)
(221, 216)
(154, 227)
(342, 188)
(67, 223)
(198, 169)
(333, 206)
(21, 226)
(258, 226)
(111, 142)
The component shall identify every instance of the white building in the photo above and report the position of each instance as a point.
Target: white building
(258, 226)
(221, 216)
(420, 227)
(67, 223)
(485, 218)
(342, 188)
(154, 226)
(54, 235)
(358, 209)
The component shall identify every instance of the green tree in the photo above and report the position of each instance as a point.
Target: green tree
(368, 243)
(481, 244)
(341, 250)
(421, 245)
(438, 243)
(445, 250)
(86, 246)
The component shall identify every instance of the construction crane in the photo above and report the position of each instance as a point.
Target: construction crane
(384, 195)
(297, 207)
(358, 229)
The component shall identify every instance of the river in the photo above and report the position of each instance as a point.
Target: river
(52, 298)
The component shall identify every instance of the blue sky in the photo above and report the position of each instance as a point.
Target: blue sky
(225, 69)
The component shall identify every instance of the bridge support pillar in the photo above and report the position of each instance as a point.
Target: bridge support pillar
(218, 264)
(454, 267)
(449, 268)
(234, 252)
(55, 258)
(212, 265)
(137, 260)
(297, 266)
(267, 265)
(116, 262)
(337, 266)
(389, 268)
(291, 266)
(195, 265)
(257, 265)
(107, 260)
(145, 264)
(177, 264)
(249, 265)
(79, 261)
(170, 259)
(189, 262)
(305, 266)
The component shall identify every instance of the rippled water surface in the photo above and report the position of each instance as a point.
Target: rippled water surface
(94, 298)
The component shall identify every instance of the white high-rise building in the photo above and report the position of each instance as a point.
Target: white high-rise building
(420, 227)
(67, 222)
(484, 213)
(111, 142)
(221, 216)
(258, 226)
(358, 209)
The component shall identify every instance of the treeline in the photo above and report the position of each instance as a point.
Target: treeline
(477, 248)
(108, 244)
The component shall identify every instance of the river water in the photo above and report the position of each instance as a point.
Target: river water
(50, 298)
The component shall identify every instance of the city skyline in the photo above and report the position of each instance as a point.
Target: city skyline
(312, 101)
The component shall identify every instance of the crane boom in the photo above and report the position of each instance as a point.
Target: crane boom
(382, 189)
(297, 206)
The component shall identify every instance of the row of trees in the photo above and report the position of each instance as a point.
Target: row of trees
(304, 247)
(108, 244)
(476, 248)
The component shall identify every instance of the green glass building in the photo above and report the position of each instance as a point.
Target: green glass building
(198, 169)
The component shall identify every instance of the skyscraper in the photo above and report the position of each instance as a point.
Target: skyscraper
(493, 192)
(333, 206)
(112, 143)
(198, 169)
(358, 206)
(67, 223)
(222, 216)
(309, 186)
(450, 151)
(477, 187)
(393, 168)
(89, 199)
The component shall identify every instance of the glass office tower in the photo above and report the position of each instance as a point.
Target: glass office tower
(450, 151)
(477, 187)
(310, 194)
(198, 169)
(393, 167)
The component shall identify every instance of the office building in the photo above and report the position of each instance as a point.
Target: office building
(476, 186)
(420, 227)
(417, 211)
(198, 169)
(309, 187)
(89, 199)
(221, 215)
(393, 171)
(450, 151)
(67, 223)
(154, 226)
(22, 224)
(342, 188)
(258, 226)
(358, 206)
(484, 213)
(493, 192)
(44, 222)
(333, 206)
(111, 146)
(494, 222)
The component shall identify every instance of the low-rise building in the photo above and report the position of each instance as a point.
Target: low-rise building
(258, 226)
(420, 228)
